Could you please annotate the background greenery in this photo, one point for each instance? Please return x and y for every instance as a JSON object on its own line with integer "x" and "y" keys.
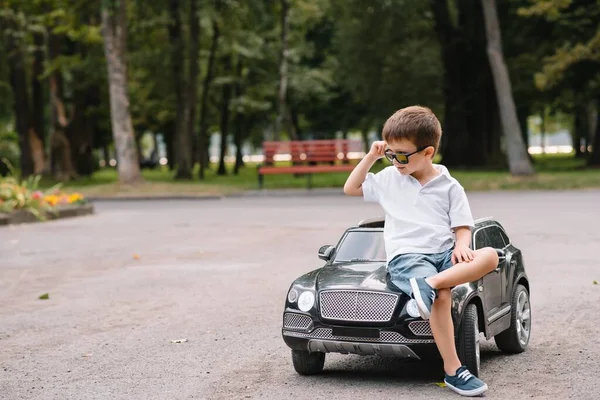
{"x": 350, "y": 64}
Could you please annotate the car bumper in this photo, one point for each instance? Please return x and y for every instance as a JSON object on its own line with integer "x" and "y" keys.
{"x": 342, "y": 347}
{"x": 390, "y": 344}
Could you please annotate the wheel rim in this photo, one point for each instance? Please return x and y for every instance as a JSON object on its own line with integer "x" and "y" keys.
{"x": 523, "y": 318}
{"x": 476, "y": 328}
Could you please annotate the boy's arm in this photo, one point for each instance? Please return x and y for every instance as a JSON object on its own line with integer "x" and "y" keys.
{"x": 462, "y": 251}
{"x": 463, "y": 235}
{"x": 353, "y": 185}
{"x": 461, "y": 221}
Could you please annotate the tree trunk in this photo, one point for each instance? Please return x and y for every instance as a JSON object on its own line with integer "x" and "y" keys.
{"x": 543, "y": 131}
{"x": 239, "y": 156}
{"x": 154, "y": 154}
{"x": 114, "y": 31}
{"x": 18, "y": 83}
{"x": 203, "y": 142}
{"x": 294, "y": 124}
{"x": 455, "y": 137}
{"x": 475, "y": 81}
{"x": 580, "y": 128}
{"x": 38, "y": 136}
{"x": 192, "y": 87}
{"x": 61, "y": 160}
{"x": 106, "y": 155}
{"x": 518, "y": 158}
{"x": 80, "y": 130}
{"x": 168, "y": 130}
{"x": 591, "y": 125}
{"x": 224, "y": 125}
{"x": 182, "y": 119}
{"x": 594, "y": 159}
{"x": 238, "y": 122}
{"x": 283, "y": 69}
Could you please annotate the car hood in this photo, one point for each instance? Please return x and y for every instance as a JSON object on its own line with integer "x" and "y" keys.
{"x": 361, "y": 275}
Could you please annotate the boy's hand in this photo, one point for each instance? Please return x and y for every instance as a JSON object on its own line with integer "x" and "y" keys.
{"x": 377, "y": 149}
{"x": 462, "y": 253}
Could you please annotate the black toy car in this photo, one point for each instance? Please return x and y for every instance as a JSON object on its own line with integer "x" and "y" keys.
{"x": 350, "y": 306}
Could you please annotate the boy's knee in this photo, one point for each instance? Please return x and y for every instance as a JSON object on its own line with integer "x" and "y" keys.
{"x": 492, "y": 256}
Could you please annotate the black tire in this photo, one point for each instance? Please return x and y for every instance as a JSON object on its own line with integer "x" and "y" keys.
{"x": 516, "y": 338}
{"x": 306, "y": 363}
{"x": 468, "y": 340}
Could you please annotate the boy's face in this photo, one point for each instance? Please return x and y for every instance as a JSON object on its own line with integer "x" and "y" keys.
{"x": 418, "y": 159}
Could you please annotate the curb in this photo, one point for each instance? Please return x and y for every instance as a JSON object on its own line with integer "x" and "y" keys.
{"x": 247, "y": 194}
{"x": 155, "y": 198}
{"x": 23, "y": 216}
{"x": 293, "y": 192}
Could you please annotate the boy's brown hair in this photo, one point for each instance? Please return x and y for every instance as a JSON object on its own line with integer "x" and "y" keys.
{"x": 415, "y": 123}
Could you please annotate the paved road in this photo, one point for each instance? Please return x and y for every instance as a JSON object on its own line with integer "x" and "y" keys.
{"x": 216, "y": 273}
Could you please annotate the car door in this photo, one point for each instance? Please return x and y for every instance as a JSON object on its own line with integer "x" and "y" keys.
{"x": 509, "y": 268}
{"x": 492, "y": 282}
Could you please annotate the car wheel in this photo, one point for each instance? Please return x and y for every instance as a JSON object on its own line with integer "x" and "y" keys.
{"x": 306, "y": 363}
{"x": 468, "y": 340}
{"x": 516, "y": 338}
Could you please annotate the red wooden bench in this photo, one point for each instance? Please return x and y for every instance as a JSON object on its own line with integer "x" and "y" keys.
{"x": 308, "y": 157}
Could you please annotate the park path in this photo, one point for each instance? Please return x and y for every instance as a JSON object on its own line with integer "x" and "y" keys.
{"x": 126, "y": 281}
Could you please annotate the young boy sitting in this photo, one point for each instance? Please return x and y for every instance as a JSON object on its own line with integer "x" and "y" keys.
{"x": 427, "y": 229}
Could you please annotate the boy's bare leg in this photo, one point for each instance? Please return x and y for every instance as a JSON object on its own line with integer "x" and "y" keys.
{"x": 485, "y": 260}
{"x": 443, "y": 330}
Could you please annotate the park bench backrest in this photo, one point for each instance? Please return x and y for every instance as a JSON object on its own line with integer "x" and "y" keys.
{"x": 316, "y": 151}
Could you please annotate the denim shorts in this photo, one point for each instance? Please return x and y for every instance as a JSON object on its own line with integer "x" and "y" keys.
{"x": 415, "y": 265}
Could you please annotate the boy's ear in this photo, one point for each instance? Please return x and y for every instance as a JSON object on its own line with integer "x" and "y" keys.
{"x": 430, "y": 151}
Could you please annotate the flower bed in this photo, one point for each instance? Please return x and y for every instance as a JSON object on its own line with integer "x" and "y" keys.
{"x": 22, "y": 201}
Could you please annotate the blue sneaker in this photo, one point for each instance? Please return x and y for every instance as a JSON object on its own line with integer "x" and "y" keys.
{"x": 465, "y": 383}
{"x": 424, "y": 296}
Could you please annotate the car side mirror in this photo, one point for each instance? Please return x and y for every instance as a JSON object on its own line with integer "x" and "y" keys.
{"x": 325, "y": 252}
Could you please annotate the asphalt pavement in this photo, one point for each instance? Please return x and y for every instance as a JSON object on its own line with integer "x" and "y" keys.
{"x": 126, "y": 282}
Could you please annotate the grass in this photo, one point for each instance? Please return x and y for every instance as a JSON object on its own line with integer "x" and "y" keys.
{"x": 554, "y": 172}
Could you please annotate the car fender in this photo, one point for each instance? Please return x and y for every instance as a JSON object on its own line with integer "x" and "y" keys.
{"x": 518, "y": 278}
{"x": 462, "y": 296}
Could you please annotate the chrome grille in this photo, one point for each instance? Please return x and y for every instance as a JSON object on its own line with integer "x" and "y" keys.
{"x": 358, "y": 306}
{"x": 420, "y": 328}
{"x": 386, "y": 337}
{"x": 296, "y": 321}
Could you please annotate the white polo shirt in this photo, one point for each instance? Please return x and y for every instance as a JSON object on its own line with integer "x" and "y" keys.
{"x": 418, "y": 218}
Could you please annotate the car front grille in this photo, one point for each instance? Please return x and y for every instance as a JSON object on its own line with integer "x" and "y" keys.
{"x": 296, "y": 321}
{"x": 385, "y": 337}
{"x": 420, "y": 328}
{"x": 357, "y": 306}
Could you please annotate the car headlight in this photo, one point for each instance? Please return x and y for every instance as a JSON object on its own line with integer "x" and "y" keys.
{"x": 306, "y": 301}
{"x": 293, "y": 295}
{"x": 411, "y": 308}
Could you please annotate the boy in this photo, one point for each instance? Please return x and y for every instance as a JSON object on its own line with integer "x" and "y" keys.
{"x": 427, "y": 229}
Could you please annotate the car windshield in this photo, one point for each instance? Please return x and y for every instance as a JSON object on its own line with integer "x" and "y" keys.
{"x": 361, "y": 246}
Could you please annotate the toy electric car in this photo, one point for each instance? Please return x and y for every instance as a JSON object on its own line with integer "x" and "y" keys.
{"x": 350, "y": 306}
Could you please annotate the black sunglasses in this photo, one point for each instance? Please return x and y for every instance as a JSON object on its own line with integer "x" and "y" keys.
{"x": 400, "y": 157}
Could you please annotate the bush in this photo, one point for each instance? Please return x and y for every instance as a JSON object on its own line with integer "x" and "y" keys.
{"x": 16, "y": 194}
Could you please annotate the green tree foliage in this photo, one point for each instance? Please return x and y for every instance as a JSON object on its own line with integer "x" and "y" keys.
{"x": 571, "y": 66}
{"x": 349, "y": 65}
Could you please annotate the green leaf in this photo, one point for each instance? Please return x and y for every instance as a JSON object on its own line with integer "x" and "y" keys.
{"x": 595, "y": 282}
{"x": 45, "y": 296}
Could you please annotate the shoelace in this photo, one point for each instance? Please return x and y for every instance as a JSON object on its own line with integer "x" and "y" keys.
{"x": 465, "y": 375}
